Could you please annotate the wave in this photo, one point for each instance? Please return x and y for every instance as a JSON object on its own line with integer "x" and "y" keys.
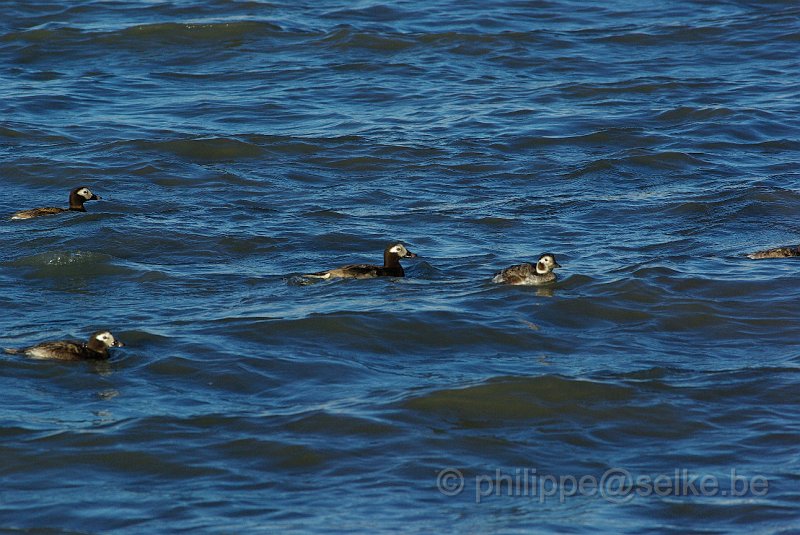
{"x": 145, "y": 34}
{"x": 205, "y": 149}
{"x": 70, "y": 264}
{"x": 499, "y": 400}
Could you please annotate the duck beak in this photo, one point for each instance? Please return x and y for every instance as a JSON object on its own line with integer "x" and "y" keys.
{"x": 117, "y": 343}
{"x": 409, "y": 254}
{"x": 556, "y": 265}
{"x": 94, "y": 197}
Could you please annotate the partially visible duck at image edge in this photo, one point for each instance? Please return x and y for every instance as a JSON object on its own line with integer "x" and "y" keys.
{"x": 777, "y": 252}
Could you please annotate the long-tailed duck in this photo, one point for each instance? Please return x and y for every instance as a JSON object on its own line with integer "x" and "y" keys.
{"x": 542, "y": 273}
{"x": 778, "y": 252}
{"x": 95, "y": 349}
{"x": 391, "y": 266}
{"x": 77, "y": 197}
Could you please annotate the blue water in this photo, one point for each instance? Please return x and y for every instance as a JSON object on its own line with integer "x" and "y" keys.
{"x": 239, "y": 144}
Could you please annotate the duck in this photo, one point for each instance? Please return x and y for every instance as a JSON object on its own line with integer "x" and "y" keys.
{"x": 527, "y": 274}
{"x": 391, "y": 266}
{"x": 777, "y": 252}
{"x": 94, "y": 349}
{"x": 77, "y": 197}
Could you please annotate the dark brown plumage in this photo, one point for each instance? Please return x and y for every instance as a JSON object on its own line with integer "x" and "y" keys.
{"x": 95, "y": 349}
{"x": 778, "y": 252}
{"x": 391, "y": 266}
{"x": 77, "y": 197}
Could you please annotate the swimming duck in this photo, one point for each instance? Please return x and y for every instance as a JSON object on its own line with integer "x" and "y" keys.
{"x": 391, "y": 266}
{"x": 95, "y": 349}
{"x": 527, "y": 274}
{"x": 778, "y": 252}
{"x": 77, "y": 197}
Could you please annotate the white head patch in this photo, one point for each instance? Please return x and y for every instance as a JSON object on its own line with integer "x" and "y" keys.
{"x": 399, "y": 250}
{"x": 106, "y": 337}
{"x": 545, "y": 264}
{"x": 85, "y": 193}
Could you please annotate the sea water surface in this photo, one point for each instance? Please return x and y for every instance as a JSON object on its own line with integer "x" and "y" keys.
{"x": 239, "y": 144}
